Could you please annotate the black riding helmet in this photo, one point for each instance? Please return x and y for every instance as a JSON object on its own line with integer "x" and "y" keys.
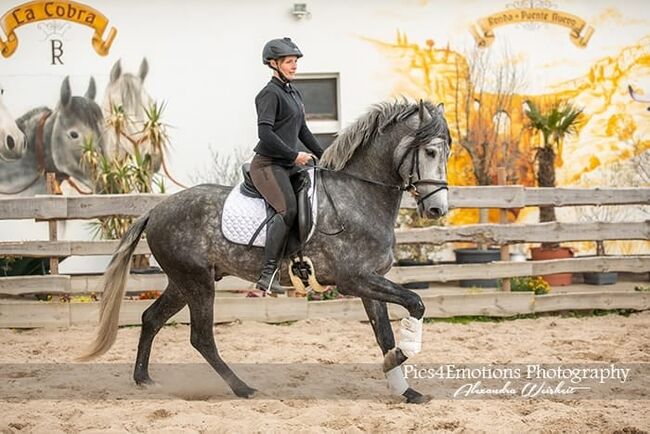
{"x": 276, "y": 48}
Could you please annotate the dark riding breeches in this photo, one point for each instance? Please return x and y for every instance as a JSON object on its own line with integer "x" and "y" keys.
{"x": 276, "y": 184}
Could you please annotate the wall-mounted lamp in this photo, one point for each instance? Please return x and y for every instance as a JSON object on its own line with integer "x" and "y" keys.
{"x": 300, "y": 11}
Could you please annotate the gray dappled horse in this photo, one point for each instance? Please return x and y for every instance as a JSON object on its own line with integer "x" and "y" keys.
{"x": 395, "y": 147}
{"x": 12, "y": 140}
{"x": 54, "y": 143}
{"x": 125, "y": 91}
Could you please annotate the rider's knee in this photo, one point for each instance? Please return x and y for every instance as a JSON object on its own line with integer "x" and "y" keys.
{"x": 290, "y": 215}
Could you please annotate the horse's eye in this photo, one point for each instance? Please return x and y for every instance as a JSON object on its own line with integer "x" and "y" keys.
{"x": 431, "y": 153}
{"x": 74, "y": 134}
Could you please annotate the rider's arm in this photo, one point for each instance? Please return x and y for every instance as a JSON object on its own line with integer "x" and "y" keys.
{"x": 267, "y": 104}
{"x": 308, "y": 139}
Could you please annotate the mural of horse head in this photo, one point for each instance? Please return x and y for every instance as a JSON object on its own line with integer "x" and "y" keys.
{"x": 76, "y": 120}
{"x": 126, "y": 97}
{"x": 54, "y": 143}
{"x": 12, "y": 140}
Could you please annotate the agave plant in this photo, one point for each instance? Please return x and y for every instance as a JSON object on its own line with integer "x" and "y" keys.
{"x": 560, "y": 121}
{"x": 130, "y": 173}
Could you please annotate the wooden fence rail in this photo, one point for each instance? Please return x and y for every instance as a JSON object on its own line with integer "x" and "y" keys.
{"x": 275, "y": 310}
{"x": 528, "y": 233}
{"x": 486, "y": 233}
{"x": 22, "y": 285}
{"x": 87, "y": 207}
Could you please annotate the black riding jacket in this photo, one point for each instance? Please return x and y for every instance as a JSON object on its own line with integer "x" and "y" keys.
{"x": 281, "y": 122}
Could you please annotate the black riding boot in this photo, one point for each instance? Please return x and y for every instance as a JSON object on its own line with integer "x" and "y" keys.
{"x": 276, "y": 237}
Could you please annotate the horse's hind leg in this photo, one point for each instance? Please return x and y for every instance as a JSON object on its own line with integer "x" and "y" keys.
{"x": 156, "y": 315}
{"x": 393, "y": 357}
{"x": 200, "y": 297}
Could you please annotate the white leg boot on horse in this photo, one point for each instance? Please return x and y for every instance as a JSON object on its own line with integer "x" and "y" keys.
{"x": 276, "y": 238}
{"x": 410, "y": 336}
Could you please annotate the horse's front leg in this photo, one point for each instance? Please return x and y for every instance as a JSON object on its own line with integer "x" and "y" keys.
{"x": 393, "y": 357}
{"x": 375, "y": 287}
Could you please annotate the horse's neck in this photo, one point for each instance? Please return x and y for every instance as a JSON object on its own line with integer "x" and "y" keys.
{"x": 378, "y": 202}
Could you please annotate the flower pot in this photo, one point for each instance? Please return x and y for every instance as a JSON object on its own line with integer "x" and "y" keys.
{"x": 518, "y": 257}
{"x": 544, "y": 253}
{"x": 414, "y": 263}
{"x": 477, "y": 256}
{"x": 600, "y": 278}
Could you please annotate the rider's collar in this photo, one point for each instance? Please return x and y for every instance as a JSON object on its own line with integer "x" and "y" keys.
{"x": 286, "y": 86}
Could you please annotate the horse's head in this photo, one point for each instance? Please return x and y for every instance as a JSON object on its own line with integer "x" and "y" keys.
{"x": 126, "y": 93}
{"x": 76, "y": 120}
{"x": 12, "y": 140}
{"x": 421, "y": 157}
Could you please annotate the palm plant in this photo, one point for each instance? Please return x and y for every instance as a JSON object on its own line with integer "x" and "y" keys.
{"x": 560, "y": 121}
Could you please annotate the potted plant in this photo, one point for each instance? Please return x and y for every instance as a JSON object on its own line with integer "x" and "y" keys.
{"x": 559, "y": 121}
{"x": 133, "y": 172}
{"x": 414, "y": 254}
{"x": 600, "y": 277}
{"x": 614, "y": 176}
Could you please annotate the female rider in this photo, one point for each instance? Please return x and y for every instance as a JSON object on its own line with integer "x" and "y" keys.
{"x": 280, "y": 123}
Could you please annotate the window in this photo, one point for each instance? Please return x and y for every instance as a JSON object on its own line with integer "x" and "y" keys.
{"x": 320, "y": 93}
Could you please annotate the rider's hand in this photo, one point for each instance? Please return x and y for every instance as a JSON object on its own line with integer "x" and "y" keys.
{"x": 303, "y": 158}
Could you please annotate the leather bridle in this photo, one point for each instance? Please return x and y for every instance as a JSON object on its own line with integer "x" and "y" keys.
{"x": 411, "y": 184}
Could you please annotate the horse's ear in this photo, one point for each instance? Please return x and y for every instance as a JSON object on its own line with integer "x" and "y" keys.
{"x": 441, "y": 108}
{"x": 66, "y": 94}
{"x": 92, "y": 89}
{"x": 116, "y": 71}
{"x": 144, "y": 69}
{"x": 423, "y": 112}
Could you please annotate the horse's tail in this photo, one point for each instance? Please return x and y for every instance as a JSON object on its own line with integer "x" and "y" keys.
{"x": 114, "y": 284}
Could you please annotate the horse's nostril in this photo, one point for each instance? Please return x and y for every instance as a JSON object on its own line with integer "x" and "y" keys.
{"x": 11, "y": 144}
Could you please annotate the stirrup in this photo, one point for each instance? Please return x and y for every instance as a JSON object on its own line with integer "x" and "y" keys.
{"x": 306, "y": 276}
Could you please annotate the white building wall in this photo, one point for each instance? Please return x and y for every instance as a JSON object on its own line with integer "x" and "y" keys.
{"x": 205, "y": 60}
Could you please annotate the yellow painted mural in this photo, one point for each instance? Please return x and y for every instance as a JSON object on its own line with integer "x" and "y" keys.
{"x": 613, "y": 128}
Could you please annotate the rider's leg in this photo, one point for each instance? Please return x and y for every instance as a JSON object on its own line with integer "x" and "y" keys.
{"x": 273, "y": 182}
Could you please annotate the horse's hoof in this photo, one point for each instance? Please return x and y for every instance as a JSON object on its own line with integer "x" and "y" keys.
{"x": 144, "y": 381}
{"x": 245, "y": 392}
{"x": 414, "y": 397}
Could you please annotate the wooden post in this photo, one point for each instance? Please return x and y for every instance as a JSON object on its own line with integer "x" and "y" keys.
{"x": 51, "y": 189}
{"x": 503, "y": 219}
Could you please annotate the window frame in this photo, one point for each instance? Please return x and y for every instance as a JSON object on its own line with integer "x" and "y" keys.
{"x": 324, "y": 126}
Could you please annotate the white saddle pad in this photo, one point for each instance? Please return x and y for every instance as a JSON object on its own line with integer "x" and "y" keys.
{"x": 242, "y": 215}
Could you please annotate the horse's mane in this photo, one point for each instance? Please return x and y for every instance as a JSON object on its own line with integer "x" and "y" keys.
{"x": 21, "y": 121}
{"x": 380, "y": 117}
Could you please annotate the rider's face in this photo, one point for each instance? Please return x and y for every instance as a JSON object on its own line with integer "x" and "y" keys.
{"x": 288, "y": 66}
